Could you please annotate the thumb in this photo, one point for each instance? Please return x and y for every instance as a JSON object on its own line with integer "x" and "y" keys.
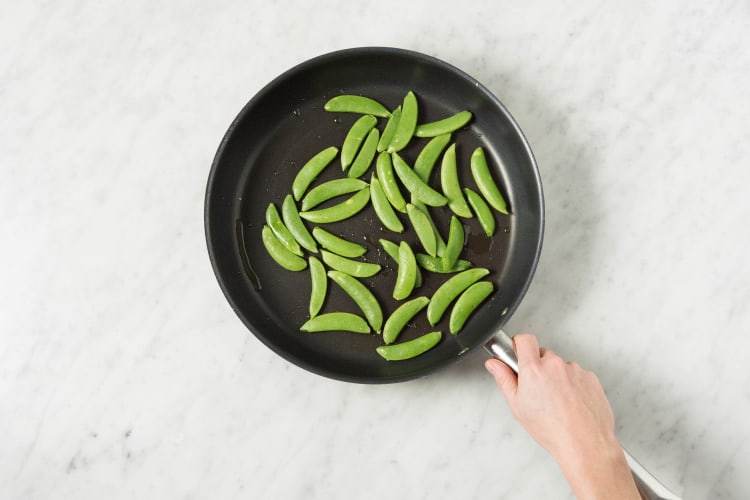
{"x": 504, "y": 377}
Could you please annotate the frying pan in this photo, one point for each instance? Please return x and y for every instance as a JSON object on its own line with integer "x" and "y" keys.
{"x": 283, "y": 126}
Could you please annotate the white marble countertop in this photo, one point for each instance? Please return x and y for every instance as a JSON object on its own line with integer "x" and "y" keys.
{"x": 125, "y": 374}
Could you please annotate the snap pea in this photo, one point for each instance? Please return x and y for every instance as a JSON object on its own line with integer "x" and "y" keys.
{"x": 486, "y": 184}
{"x": 423, "y": 228}
{"x": 416, "y": 186}
{"x": 450, "y": 184}
{"x": 291, "y": 218}
{"x": 429, "y": 155}
{"x": 388, "y": 131}
{"x": 366, "y": 154}
{"x": 318, "y": 287}
{"x": 482, "y": 211}
{"x": 337, "y": 244}
{"x": 383, "y": 208}
{"x": 354, "y": 138}
{"x": 340, "y": 211}
{"x": 451, "y": 289}
{"x": 398, "y": 319}
{"x": 407, "y": 272}
{"x": 467, "y": 303}
{"x": 392, "y": 250}
{"x": 273, "y": 220}
{"x": 329, "y": 190}
{"x": 361, "y": 296}
{"x": 348, "y": 103}
{"x": 310, "y": 171}
{"x": 384, "y": 168}
{"x": 411, "y": 348}
{"x": 356, "y": 268}
{"x": 406, "y": 124}
{"x": 437, "y": 265}
{"x": 444, "y": 126}
{"x": 455, "y": 243}
{"x": 279, "y": 252}
{"x": 440, "y": 247}
{"x": 336, "y": 321}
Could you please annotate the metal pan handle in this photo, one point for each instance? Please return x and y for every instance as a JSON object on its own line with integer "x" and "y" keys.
{"x": 501, "y": 347}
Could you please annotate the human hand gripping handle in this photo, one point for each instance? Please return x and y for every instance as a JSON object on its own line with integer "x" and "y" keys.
{"x": 564, "y": 409}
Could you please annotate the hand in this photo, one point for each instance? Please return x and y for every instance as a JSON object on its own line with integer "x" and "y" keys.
{"x": 563, "y": 407}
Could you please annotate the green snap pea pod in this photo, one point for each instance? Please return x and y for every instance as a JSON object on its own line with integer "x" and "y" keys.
{"x": 329, "y": 190}
{"x": 336, "y": 321}
{"x": 437, "y": 265}
{"x": 318, "y": 287}
{"x": 291, "y": 218}
{"x": 444, "y": 126}
{"x": 337, "y": 244}
{"x": 341, "y": 211}
{"x": 389, "y": 130}
{"x": 392, "y": 250}
{"x": 348, "y": 103}
{"x": 486, "y": 184}
{"x": 354, "y": 139}
{"x": 440, "y": 247}
{"x": 279, "y": 253}
{"x": 384, "y": 168}
{"x": 356, "y": 268}
{"x": 361, "y": 296}
{"x": 467, "y": 303}
{"x": 406, "y": 124}
{"x": 416, "y": 186}
{"x": 310, "y": 171}
{"x": 450, "y": 184}
{"x": 429, "y": 155}
{"x": 398, "y": 319}
{"x": 455, "y": 242}
{"x": 273, "y": 219}
{"x": 411, "y": 348}
{"x": 452, "y": 288}
{"x": 482, "y": 210}
{"x": 406, "y": 277}
{"x": 423, "y": 228}
{"x": 366, "y": 155}
{"x": 383, "y": 208}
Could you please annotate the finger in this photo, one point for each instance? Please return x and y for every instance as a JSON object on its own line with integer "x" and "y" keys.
{"x": 504, "y": 378}
{"x": 527, "y": 349}
{"x": 543, "y": 351}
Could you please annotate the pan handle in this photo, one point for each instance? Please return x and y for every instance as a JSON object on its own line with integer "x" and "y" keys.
{"x": 501, "y": 347}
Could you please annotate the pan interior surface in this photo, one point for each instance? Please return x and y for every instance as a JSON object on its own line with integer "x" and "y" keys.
{"x": 282, "y": 127}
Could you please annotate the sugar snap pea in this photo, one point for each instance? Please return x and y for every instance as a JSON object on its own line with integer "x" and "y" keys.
{"x": 392, "y": 250}
{"x": 416, "y": 186}
{"x": 389, "y": 130}
{"x": 354, "y": 139}
{"x": 366, "y": 154}
{"x": 429, "y": 155}
{"x": 348, "y": 103}
{"x": 337, "y": 244}
{"x": 291, "y": 218}
{"x": 279, "y": 252}
{"x": 452, "y": 288}
{"x": 406, "y": 124}
{"x": 383, "y": 208}
{"x": 486, "y": 184}
{"x": 440, "y": 247}
{"x": 361, "y": 296}
{"x": 410, "y": 349}
{"x": 455, "y": 243}
{"x": 438, "y": 265}
{"x": 318, "y": 287}
{"x": 356, "y": 268}
{"x": 384, "y": 168}
{"x": 467, "y": 303}
{"x": 450, "y": 184}
{"x": 444, "y": 126}
{"x": 273, "y": 219}
{"x": 398, "y": 319}
{"x": 423, "y": 228}
{"x": 336, "y": 321}
{"x": 341, "y": 211}
{"x": 329, "y": 190}
{"x": 407, "y": 272}
{"x": 310, "y": 171}
{"x": 482, "y": 211}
